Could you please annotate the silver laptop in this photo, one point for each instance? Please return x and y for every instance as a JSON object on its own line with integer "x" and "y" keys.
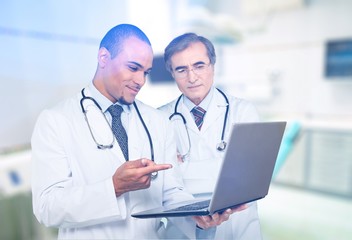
{"x": 244, "y": 176}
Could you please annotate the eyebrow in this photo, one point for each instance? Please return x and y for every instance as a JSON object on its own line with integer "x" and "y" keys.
{"x": 139, "y": 66}
{"x": 194, "y": 64}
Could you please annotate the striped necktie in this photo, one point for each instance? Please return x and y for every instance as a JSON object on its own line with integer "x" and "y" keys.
{"x": 118, "y": 129}
{"x": 198, "y": 114}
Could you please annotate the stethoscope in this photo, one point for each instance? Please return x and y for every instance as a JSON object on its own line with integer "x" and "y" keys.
{"x": 221, "y": 146}
{"x": 110, "y": 145}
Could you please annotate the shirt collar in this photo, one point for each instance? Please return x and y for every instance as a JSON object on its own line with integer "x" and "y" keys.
{"x": 204, "y": 104}
{"x": 104, "y": 102}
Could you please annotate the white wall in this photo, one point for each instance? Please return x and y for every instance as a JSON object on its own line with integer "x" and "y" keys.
{"x": 277, "y": 59}
{"x": 48, "y": 51}
{"x": 291, "y": 46}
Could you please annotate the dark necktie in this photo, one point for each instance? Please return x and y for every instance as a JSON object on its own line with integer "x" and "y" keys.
{"x": 198, "y": 114}
{"x": 118, "y": 129}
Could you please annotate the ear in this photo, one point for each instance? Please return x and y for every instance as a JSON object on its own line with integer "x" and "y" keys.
{"x": 172, "y": 74}
{"x": 103, "y": 57}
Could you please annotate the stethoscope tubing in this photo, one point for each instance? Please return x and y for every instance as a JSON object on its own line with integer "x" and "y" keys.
{"x": 222, "y": 144}
{"x": 84, "y": 97}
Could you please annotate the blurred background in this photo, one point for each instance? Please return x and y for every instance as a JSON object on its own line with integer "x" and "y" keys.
{"x": 292, "y": 59}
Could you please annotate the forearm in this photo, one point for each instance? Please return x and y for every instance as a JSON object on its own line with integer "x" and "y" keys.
{"x": 63, "y": 195}
{"x": 62, "y": 205}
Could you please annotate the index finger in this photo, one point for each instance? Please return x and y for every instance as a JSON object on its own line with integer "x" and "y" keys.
{"x": 155, "y": 168}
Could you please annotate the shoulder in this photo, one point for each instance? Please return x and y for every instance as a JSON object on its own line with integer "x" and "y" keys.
{"x": 241, "y": 109}
{"x": 148, "y": 110}
{"x": 168, "y": 107}
{"x": 233, "y": 101}
{"x": 244, "y": 110}
{"x": 57, "y": 120}
{"x": 62, "y": 110}
{"x": 240, "y": 102}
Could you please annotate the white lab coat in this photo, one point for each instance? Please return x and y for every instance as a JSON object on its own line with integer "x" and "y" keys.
{"x": 72, "y": 179}
{"x": 200, "y": 168}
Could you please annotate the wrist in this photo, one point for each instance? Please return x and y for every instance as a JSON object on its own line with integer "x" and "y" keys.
{"x": 118, "y": 193}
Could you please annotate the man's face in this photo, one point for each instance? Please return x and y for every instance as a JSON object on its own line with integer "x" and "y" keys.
{"x": 193, "y": 72}
{"x": 124, "y": 75}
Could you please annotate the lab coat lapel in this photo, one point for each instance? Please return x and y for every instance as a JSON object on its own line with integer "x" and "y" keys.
{"x": 215, "y": 111}
{"x": 138, "y": 143}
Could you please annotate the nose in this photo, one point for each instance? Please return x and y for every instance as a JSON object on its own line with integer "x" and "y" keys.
{"x": 140, "y": 78}
{"x": 192, "y": 76}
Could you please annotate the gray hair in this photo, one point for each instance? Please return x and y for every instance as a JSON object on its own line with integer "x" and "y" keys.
{"x": 182, "y": 42}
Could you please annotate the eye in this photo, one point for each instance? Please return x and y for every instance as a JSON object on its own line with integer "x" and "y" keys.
{"x": 200, "y": 66}
{"x": 133, "y": 68}
{"x": 180, "y": 70}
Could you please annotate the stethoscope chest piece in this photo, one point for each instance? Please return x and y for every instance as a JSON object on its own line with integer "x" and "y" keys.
{"x": 221, "y": 146}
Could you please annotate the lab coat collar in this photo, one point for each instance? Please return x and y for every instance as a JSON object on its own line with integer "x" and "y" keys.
{"x": 215, "y": 110}
{"x": 204, "y": 104}
{"x": 216, "y": 104}
{"x": 188, "y": 106}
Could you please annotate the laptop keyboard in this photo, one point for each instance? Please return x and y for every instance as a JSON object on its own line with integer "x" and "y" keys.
{"x": 191, "y": 207}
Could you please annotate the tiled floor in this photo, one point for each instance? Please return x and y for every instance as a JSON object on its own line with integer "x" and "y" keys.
{"x": 291, "y": 214}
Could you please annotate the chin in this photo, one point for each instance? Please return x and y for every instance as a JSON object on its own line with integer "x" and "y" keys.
{"x": 125, "y": 102}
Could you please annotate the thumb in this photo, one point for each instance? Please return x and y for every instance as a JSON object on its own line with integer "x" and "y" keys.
{"x": 146, "y": 162}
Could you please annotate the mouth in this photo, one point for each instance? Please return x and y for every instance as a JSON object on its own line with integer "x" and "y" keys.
{"x": 134, "y": 89}
{"x": 193, "y": 87}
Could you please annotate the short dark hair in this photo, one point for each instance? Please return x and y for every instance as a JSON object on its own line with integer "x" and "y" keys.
{"x": 182, "y": 42}
{"x": 115, "y": 37}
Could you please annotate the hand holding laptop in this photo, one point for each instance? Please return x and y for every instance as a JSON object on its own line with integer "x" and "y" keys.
{"x": 244, "y": 176}
{"x": 135, "y": 175}
{"x": 216, "y": 219}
